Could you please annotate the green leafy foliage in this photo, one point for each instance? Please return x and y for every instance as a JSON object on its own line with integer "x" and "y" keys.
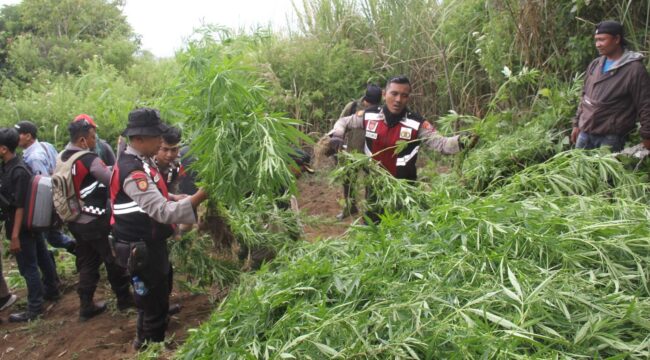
{"x": 501, "y": 276}
{"x": 242, "y": 148}
{"x": 59, "y": 36}
{"x": 100, "y": 90}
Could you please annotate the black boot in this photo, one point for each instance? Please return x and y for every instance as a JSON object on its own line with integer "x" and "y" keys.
{"x": 125, "y": 302}
{"x": 89, "y": 308}
{"x": 24, "y": 316}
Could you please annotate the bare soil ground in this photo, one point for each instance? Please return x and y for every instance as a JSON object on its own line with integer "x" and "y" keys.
{"x": 60, "y": 335}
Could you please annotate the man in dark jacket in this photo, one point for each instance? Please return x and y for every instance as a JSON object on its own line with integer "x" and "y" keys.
{"x": 91, "y": 178}
{"x": 616, "y": 93}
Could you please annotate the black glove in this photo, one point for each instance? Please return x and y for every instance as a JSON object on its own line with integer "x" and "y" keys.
{"x": 468, "y": 141}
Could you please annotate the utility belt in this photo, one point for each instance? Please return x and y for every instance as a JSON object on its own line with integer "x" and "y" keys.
{"x": 131, "y": 255}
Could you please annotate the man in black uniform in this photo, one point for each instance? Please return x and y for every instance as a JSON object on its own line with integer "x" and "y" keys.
{"x": 143, "y": 212}
{"x": 91, "y": 178}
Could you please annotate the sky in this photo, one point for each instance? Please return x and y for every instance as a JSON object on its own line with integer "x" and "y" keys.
{"x": 164, "y": 24}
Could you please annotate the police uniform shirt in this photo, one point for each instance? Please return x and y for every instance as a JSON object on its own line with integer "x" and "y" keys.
{"x": 141, "y": 188}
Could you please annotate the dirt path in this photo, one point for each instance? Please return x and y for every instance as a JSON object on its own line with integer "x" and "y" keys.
{"x": 320, "y": 202}
{"x": 59, "y": 334}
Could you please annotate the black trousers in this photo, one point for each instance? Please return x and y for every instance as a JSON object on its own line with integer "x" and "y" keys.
{"x": 153, "y": 308}
{"x": 92, "y": 250}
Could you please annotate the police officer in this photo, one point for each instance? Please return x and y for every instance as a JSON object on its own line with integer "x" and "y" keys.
{"x": 386, "y": 125}
{"x": 143, "y": 212}
{"x": 91, "y": 229}
{"x": 168, "y": 160}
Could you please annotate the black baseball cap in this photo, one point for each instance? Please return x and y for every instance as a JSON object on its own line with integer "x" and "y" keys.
{"x": 611, "y": 27}
{"x": 144, "y": 122}
{"x": 373, "y": 94}
{"x": 26, "y": 127}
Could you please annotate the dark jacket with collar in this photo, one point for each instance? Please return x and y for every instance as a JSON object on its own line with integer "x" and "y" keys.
{"x": 612, "y": 102}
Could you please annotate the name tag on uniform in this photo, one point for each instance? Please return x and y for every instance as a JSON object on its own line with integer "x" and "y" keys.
{"x": 372, "y": 126}
{"x": 405, "y": 133}
{"x": 371, "y": 135}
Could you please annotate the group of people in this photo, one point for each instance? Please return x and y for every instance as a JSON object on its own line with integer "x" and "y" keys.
{"x": 133, "y": 202}
{"x": 615, "y": 96}
{"x": 130, "y": 204}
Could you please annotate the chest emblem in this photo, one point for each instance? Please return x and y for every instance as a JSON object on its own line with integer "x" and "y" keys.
{"x": 372, "y": 126}
{"x": 405, "y": 133}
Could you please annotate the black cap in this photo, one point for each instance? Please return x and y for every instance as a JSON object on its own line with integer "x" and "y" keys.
{"x": 26, "y": 127}
{"x": 373, "y": 94}
{"x": 144, "y": 122}
{"x": 609, "y": 27}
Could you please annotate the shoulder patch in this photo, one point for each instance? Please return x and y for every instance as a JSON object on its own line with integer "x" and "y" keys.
{"x": 411, "y": 123}
{"x": 141, "y": 180}
{"x": 143, "y": 185}
{"x": 136, "y": 175}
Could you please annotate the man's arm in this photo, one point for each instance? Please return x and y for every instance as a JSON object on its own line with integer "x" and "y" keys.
{"x": 345, "y": 123}
{"x": 640, "y": 90}
{"x": 20, "y": 179}
{"x": 433, "y": 140}
{"x": 14, "y": 245}
{"x": 109, "y": 155}
{"x": 141, "y": 188}
{"x": 100, "y": 171}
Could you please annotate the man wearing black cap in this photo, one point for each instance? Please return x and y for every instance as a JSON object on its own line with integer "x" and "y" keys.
{"x": 143, "y": 212}
{"x": 40, "y": 156}
{"x": 616, "y": 93}
{"x": 354, "y": 142}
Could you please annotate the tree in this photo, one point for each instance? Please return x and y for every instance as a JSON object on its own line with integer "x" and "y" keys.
{"x": 59, "y": 35}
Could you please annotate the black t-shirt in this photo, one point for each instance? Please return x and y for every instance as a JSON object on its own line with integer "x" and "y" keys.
{"x": 15, "y": 181}
{"x": 187, "y": 183}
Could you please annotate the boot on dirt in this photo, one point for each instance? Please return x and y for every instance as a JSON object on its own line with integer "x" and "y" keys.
{"x": 125, "y": 302}
{"x": 89, "y": 308}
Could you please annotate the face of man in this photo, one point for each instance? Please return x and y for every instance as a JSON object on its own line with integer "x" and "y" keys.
{"x": 24, "y": 140}
{"x": 89, "y": 141}
{"x": 167, "y": 153}
{"x": 607, "y": 44}
{"x": 397, "y": 97}
{"x": 147, "y": 145}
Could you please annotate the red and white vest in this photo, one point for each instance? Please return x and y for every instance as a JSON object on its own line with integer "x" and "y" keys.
{"x": 380, "y": 137}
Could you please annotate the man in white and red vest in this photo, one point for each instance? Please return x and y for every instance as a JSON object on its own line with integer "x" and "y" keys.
{"x": 143, "y": 216}
{"x": 387, "y": 125}
{"x": 91, "y": 229}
